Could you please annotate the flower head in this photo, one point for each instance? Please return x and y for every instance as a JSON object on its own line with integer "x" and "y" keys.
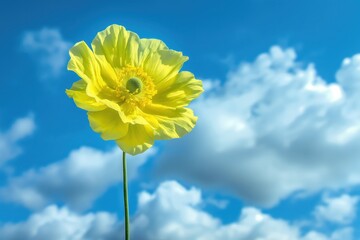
{"x": 133, "y": 89}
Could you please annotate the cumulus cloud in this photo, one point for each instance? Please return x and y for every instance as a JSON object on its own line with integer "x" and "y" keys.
{"x": 170, "y": 212}
{"x": 273, "y": 128}
{"x": 211, "y": 84}
{"x": 174, "y": 212}
{"x": 9, "y": 139}
{"x": 219, "y": 203}
{"x": 341, "y": 210}
{"x": 77, "y": 181}
{"x": 61, "y": 224}
{"x": 49, "y": 49}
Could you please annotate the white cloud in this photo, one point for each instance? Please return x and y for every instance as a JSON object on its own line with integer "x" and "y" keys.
{"x": 341, "y": 234}
{"x": 61, "y": 224}
{"x": 171, "y": 212}
{"x": 273, "y": 128}
{"x": 341, "y": 210}
{"x": 211, "y": 84}
{"x": 9, "y": 140}
{"x": 49, "y": 49}
{"x": 77, "y": 181}
{"x": 219, "y": 203}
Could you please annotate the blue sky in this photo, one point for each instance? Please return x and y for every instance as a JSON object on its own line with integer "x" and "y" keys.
{"x": 275, "y": 152}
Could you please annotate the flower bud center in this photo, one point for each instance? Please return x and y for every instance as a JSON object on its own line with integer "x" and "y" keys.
{"x": 134, "y": 85}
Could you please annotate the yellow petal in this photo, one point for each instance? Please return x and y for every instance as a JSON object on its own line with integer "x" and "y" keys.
{"x": 134, "y": 118}
{"x": 83, "y": 62}
{"x": 107, "y": 72}
{"x": 150, "y": 119}
{"x": 81, "y": 99}
{"x": 148, "y": 47}
{"x": 151, "y": 45}
{"x": 108, "y": 124}
{"x": 179, "y": 91}
{"x": 138, "y": 139}
{"x": 172, "y": 122}
{"x": 118, "y": 46}
{"x": 133, "y": 121}
{"x": 163, "y": 65}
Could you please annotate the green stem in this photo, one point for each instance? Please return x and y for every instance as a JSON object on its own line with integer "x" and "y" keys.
{"x": 126, "y": 202}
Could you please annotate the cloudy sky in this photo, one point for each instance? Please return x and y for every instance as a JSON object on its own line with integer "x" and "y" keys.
{"x": 275, "y": 154}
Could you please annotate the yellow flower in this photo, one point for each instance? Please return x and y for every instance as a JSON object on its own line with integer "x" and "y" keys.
{"x": 132, "y": 89}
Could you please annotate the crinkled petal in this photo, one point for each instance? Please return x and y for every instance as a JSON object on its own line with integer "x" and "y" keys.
{"x": 134, "y": 118}
{"x": 134, "y": 127}
{"x": 108, "y": 124}
{"x": 81, "y": 99}
{"x": 118, "y": 46}
{"x": 107, "y": 72}
{"x": 150, "y": 119}
{"x": 138, "y": 139}
{"x": 162, "y": 65}
{"x": 179, "y": 91}
{"x": 152, "y": 44}
{"x": 149, "y": 46}
{"x": 172, "y": 122}
{"x": 109, "y": 98}
{"x": 84, "y": 64}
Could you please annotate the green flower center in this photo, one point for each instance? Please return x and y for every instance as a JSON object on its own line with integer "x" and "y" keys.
{"x": 134, "y": 85}
{"x": 134, "y": 89}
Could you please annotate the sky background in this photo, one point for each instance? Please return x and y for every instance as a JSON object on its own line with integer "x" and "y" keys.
{"x": 275, "y": 153}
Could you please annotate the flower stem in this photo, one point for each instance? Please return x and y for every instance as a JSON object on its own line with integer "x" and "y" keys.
{"x": 126, "y": 202}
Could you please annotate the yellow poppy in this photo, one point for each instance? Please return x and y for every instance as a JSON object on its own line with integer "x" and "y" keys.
{"x": 133, "y": 89}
